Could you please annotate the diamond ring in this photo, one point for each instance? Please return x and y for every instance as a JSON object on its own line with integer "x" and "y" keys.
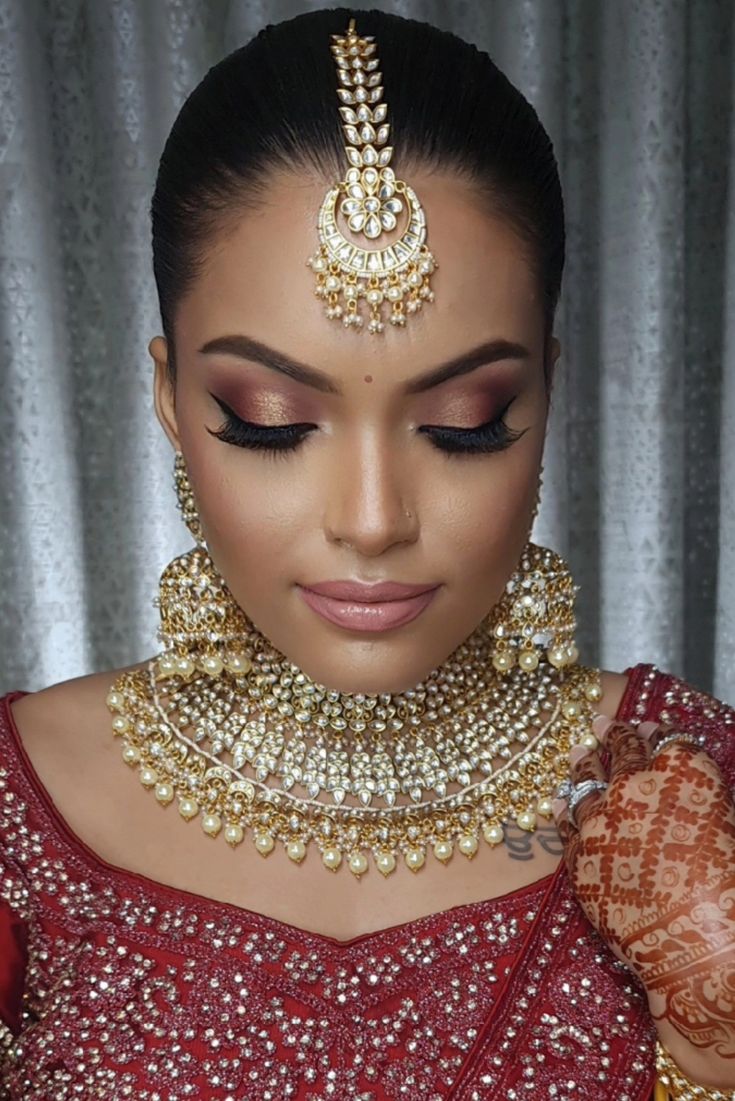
{"x": 578, "y": 792}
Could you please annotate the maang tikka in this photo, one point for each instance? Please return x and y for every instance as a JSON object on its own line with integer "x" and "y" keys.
{"x": 223, "y": 723}
{"x": 373, "y": 202}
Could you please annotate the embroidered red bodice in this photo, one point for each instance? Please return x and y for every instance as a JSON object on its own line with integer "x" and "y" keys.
{"x": 114, "y": 986}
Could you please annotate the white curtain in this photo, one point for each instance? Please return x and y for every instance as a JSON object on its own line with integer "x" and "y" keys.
{"x": 639, "y": 490}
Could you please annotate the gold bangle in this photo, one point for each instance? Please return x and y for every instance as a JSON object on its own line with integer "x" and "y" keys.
{"x": 673, "y": 1085}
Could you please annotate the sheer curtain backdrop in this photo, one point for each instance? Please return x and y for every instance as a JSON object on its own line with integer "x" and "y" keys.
{"x": 639, "y": 490}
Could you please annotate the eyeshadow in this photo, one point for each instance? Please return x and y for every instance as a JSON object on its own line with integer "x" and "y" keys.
{"x": 263, "y": 405}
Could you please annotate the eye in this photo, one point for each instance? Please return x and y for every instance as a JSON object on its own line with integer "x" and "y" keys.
{"x": 259, "y": 437}
{"x": 494, "y": 435}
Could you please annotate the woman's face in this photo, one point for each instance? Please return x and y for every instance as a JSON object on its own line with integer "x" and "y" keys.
{"x": 367, "y": 493}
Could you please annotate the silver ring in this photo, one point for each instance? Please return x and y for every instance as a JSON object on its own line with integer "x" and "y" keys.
{"x": 697, "y": 740}
{"x": 579, "y": 792}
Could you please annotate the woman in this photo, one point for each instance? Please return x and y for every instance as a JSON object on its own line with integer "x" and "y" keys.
{"x": 368, "y": 669}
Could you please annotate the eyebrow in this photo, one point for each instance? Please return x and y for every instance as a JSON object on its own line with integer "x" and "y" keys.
{"x": 244, "y": 347}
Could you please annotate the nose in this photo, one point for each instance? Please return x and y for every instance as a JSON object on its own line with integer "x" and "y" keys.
{"x": 365, "y": 501}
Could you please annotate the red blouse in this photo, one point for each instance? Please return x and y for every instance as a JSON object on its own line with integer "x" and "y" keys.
{"x": 115, "y": 986}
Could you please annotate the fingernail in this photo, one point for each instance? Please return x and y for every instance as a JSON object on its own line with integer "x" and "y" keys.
{"x": 601, "y": 724}
{"x": 646, "y": 729}
{"x": 577, "y": 752}
{"x": 558, "y": 806}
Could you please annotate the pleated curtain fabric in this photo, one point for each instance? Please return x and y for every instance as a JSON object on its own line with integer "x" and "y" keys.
{"x": 639, "y": 489}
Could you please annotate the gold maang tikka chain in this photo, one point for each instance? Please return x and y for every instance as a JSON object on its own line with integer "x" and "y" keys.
{"x": 245, "y": 741}
{"x": 373, "y": 202}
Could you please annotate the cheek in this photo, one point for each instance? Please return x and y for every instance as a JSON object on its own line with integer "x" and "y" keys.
{"x": 250, "y": 507}
{"x": 482, "y": 522}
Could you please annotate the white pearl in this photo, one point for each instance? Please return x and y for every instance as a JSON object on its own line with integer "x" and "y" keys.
{"x": 503, "y": 660}
{"x": 493, "y": 834}
{"x": 394, "y": 294}
{"x": 131, "y": 755}
{"x": 164, "y": 793}
{"x": 526, "y": 820}
{"x": 357, "y": 863}
{"x": 115, "y": 700}
{"x": 120, "y": 724}
{"x": 264, "y": 843}
{"x": 184, "y": 667}
{"x": 211, "y": 824}
{"x": 318, "y": 263}
{"x": 238, "y": 663}
{"x": 589, "y": 741}
{"x": 148, "y": 776}
{"x": 212, "y": 665}
{"x": 332, "y": 283}
{"x": 233, "y": 834}
{"x": 296, "y": 850}
{"x": 166, "y": 666}
{"x": 332, "y": 858}
{"x": 572, "y": 708}
{"x": 385, "y": 862}
{"x": 414, "y": 858}
{"x": 593, "y": 692}
{"x": 557, "y": 656}
{"x": 544, "y": 807}
{"x": 467, "y": 844}
{"x": 188, "y": 807}
{"x": 374, "y": 296}
{"x": 415, "y": 279}
{"x": 443, "y": 850}
{"x": 573, "y": 653}
{"x": 528, "y": 661}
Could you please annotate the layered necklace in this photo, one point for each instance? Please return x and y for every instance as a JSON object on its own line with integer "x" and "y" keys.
{"x": 242, "y": 739}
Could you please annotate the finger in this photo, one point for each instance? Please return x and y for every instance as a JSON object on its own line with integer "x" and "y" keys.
{"x": 629, "y": 751}
{"x": 586, "y": 765}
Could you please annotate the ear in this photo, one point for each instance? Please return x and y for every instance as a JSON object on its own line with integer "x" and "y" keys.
{"x": 163, "y": 390}
{"x": 552, "y": 355}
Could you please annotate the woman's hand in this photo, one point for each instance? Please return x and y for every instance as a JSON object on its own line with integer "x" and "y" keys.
{"x": 651, "y": 859}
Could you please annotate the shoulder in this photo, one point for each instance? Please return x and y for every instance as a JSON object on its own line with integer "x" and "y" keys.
{"x": 614, "y": 686}
{"x": 59, "y": 726}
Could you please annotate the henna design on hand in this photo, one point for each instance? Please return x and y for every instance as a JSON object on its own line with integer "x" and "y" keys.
{"x": 653, "y": 866}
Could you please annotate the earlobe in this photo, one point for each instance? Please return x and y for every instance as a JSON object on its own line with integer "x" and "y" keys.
{"x": 163, "y": 391}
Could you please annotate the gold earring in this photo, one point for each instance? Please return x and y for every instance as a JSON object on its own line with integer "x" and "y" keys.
{"x": 186, "y": 502}
{"x": 534, "y": 617}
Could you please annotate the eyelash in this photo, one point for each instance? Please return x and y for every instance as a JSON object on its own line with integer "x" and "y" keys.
{"x": 278, "y": 441}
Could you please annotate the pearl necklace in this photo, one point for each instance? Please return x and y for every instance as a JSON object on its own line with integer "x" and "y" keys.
{"x": 260, "y": 747}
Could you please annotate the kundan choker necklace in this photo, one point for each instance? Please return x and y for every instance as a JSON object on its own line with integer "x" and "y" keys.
{"x": 245, "y": 741}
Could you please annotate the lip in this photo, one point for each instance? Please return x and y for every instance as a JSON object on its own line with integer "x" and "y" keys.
{"x": 360, "y": 592}
{"x": 373, "y": 614}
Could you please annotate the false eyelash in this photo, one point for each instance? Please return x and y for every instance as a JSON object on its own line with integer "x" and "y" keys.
{"x": 274, "y": 439}
{"x": 494, "y": 435}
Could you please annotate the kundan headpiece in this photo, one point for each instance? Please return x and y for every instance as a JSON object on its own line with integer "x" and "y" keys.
{"x": 374, "y": 202}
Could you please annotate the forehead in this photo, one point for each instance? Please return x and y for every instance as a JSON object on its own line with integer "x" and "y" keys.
{"x": 256, "y": 281}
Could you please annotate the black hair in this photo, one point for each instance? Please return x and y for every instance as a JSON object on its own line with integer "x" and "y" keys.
{"x": 272, "y": 104}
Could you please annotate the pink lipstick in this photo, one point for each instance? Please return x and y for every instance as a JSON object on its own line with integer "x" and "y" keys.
{"x": 360, "y": 607}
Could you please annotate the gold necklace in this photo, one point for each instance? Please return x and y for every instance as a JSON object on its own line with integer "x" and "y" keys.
{"x": 247, "y": 742}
